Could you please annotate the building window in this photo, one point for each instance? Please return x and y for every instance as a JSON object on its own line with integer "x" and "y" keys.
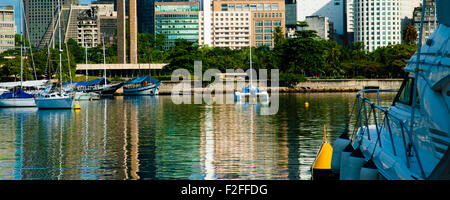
{"x": 276, "y": 23}
{"x": 260, "y": 7}
{"x": 253, "y": 6}
{"x": 267, "y": 23}
{"x": 238, "y": 7}
{"x": 258, "y": 37}
{"x": 258, "y": 23}
{"x": 267, "y": 6}
{"x": 267, "y": 43}
{"x": 274, "y": 6}
{"x": 224, "y": 7}
{"x": 231, "y": 7}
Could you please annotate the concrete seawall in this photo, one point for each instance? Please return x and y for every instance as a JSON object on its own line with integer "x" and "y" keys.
{"x": 325, "y": 85}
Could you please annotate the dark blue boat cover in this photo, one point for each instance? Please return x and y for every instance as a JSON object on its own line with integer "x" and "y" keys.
{"x": 17, "y": 94}
{"x": 93, "y": 82}
{"x": 68, "y": 82}
{"x": 141, "y": 79}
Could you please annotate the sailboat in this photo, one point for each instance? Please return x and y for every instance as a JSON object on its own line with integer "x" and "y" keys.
{"x": 250, "y": 91}
{"x": 100, "y": 86}
{"x": 55, "y": 100}
{"x": 18, "y": 98}
{"x": 85, "y": 95}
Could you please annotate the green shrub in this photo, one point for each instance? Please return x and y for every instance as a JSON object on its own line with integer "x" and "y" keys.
{"x": 291, "y": 80}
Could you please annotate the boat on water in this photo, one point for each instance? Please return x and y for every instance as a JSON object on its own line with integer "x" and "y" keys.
{"x": 410, "y": 139}
{"x": 59, "y": 99}
{"x": 54, "y": 100}
{"x": 251, "y": 92}
{"x": 99, "y": 86}
{"x": 145, "y": 85}
{"x": 17, "y": 98}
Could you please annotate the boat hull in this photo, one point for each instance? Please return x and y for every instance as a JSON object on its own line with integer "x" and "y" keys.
{"x": 108, "y": 90}
{"x": 18, "y": 102}
{"x": 145, "y": 90}
{"x": 54, "y": 103}
{"x": 83, "y": 96}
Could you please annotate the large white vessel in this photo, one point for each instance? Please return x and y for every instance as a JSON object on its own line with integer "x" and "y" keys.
{"x": 387, "y": 145}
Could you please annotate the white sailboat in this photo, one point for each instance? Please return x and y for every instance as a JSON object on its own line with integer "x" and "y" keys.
{"x": 251, "y": 91}
{"x": 18, "y": 98}
{"x": 56, "y": 100}
{"x": 84, "y": 95}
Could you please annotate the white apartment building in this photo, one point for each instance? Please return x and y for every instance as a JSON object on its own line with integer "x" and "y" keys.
{"x": 228, "y": 29}
{"x": 333, "y": 9}
{"x": 377, "y": 23}
{"x": 7, "y": 28}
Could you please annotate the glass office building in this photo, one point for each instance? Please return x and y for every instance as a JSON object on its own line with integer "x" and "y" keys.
{"x": 177, "y": 20}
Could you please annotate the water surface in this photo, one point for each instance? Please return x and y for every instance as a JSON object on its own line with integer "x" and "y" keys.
{"x": 153, "y": 138}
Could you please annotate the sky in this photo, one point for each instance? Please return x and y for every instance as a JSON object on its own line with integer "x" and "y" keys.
{"x": 16, "y": 3}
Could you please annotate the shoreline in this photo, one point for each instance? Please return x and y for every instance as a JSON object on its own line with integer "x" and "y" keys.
{"x": 310, "y": 86}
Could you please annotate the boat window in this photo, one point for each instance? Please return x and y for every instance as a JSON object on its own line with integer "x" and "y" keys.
{"x": 406, "y": 91}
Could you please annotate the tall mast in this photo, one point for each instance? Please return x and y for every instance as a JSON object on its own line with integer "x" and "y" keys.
{"x": 250, "y": 45}
{"x": 85, "y": 52}
{"x": 60, "y": 50}
{"x": 21, "y": 45}
{"x": 104, "y": 59}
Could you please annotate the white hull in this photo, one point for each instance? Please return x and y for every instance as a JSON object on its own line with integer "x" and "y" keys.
{"x": 17, "y": 102}
{"x": 146, "y": 90}
{"x": 83, "y": 96}
{"x": 54, "y": 103}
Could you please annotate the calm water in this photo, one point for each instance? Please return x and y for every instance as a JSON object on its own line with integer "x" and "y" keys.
{"x": 153, "y": 138}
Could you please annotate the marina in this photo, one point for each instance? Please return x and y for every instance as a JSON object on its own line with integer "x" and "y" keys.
{"x": 160, "y": 107}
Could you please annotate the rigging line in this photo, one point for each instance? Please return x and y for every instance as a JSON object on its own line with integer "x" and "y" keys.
{"x": 29, "y": 42}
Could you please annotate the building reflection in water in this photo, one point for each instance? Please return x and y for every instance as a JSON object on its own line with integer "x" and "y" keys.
{"x": 238, "y": 143}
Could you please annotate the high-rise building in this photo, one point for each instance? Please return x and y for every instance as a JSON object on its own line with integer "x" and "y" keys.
{"x": 429, "y": 20}
{"x": 42, "y": 20}
{"x": 7, "y": 28}
{"x": 88, "y": 24}
{"x": 177, "y": 20}
{"x": 236, "y": 23}
{"x": 377, "y": 23}
{"x": 145, "y": 15}
{"x": 228, "y": 29}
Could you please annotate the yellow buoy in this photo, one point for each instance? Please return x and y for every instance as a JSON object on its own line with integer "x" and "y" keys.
{"x": 76, "y": 107}
{"x": 321, "y": 167}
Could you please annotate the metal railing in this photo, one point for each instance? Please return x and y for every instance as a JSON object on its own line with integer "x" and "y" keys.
{"x": 382, "y": 118}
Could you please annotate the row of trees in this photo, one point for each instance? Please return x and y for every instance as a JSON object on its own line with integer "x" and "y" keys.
{"x": 304, "y": 55}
